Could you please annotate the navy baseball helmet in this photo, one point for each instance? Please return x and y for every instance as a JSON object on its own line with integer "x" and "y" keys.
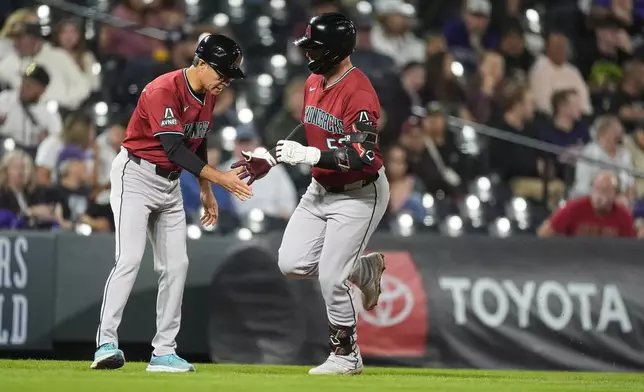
{"x": 334, "y": 34}
{"x": 222, "y": 54}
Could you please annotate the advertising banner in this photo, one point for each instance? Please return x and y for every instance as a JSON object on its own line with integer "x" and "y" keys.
{"x": 27, "y": 266}
{"x": 512, "y": 304}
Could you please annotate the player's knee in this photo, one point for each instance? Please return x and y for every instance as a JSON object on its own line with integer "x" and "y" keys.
{"x": 177, "y": 267}
{"x": 286, "y": 266}
{"x": 330, "y": 283}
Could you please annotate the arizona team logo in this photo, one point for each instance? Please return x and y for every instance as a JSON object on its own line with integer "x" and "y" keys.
{"x": 307, "y": 33}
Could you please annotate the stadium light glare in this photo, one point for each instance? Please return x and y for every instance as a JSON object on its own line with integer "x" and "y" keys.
{"x": 278, "y": 4}
{"x": 229, "y": 133}
{"x": 519, "y": 204}
{"x": 364, "y": 7}
{"x": 278, "y": 61}
{"x": 219, "y": 20}
{"x": 236, "y": 3}
{"x": 244, "y": 234}
{"x": 265, "y": 80}
{"x": 9, "y": 145}
{"x": 193, "y": 232}
{"x": 264, "y": 22}
{"x": 457, "y": 69}
{"x": 83, "y": 229}
{"x": 101, "y": 108}
{"x": 483, "y": 184}
{"x": 43, "y": 12}
{"x": 473, "y": 203}
{"x": 428, "y": 201}
{"x": 245, "y": 115}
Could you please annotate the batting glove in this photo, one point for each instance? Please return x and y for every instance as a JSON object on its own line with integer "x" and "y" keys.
{"x": 294, "y": 153}
{"x": 257, "y": 164}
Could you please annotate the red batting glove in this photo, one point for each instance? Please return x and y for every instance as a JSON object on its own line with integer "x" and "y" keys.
{"x": 257, "y": 165}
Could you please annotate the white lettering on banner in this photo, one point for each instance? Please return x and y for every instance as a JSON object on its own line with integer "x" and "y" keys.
{"x": 613, "y": 309}
{"x": 14, "y": 313}
{"x": 20, "y": 278}
{"x": 19, "y": 327}
{"x": 5, "y": 261}
{"x": 4, "y": 334}
{"x": 493, "y": 319}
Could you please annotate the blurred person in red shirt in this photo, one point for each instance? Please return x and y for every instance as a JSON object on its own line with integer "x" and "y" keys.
{"x": 596, "y": 215}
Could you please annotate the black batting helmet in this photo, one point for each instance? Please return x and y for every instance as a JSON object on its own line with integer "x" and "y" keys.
{"x": 335, "y": 34}
{"x": 222, "y": 54}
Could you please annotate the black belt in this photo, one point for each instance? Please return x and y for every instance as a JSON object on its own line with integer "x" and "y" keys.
{"x": 353, "y": 186}
{"x": 165, "y": 173}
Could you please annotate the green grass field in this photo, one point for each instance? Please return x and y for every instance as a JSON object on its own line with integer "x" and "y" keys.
{"x": 54, "y": 376}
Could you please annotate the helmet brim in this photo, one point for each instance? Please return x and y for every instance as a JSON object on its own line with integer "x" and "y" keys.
{"x": 232, "y": 73}
{"x": 307, "y": 43}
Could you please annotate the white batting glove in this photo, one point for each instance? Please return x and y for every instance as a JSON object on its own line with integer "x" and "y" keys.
{"x": 259, "y": 153}
{"x": 293, "y": 153}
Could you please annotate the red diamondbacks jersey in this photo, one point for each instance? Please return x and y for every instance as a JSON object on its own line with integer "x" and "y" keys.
{"x": 329, "y": 113}
{"x": 168, "y": 105}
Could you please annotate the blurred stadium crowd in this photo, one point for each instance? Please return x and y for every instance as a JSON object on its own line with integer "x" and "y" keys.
{"x": 566, "y": 72}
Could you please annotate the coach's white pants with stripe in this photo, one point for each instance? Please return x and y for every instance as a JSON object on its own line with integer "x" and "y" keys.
{"x": 145, "y": 204}
{"x": 327, "y": 234}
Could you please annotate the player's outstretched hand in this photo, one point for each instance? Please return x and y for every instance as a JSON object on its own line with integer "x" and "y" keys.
{"x": 257, "y": 164}
{"x": 210, "y": 208}
{"x": 232, "y": 182}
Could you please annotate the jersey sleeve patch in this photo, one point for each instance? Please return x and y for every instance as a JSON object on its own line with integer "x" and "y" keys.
{"x": 169, "y": 119}
{"x": 363, "y": 117}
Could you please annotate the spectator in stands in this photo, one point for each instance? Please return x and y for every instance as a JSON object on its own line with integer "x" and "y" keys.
{"x": 108, "y": 145}
{"x": 18, "y": 16}
{"x": 67, "y": 84}
{"x": 72, "y": 190}
{"x": 444, "y": 165}
{"x": 400, "y": 100}
{"x": 606, "y": 148}
{"x": 470, "y": 35}
{"x": 442, "y": 85}
{"x": 375, "y": 65}
{"x": 518, "y": 60}
{"x": 284, "y": 121}
{"x": 634, "y": 143}
{"x": 405, "y": 191}
{"x": 484, "y": 88}
{"x": 596, "y": 215}
{"x": 600, "y": 59}
{"x": 78, "y": 130}
{"x": 393, "y": 36}
{"x": 436, "y": 43}
{"x": 23, "y": 204}
{"x": 23, "y": 116}
{"x": 68, "y": 35}
{"x": 523, "y": 168}
{"x": 566, "y": 128}
{"x": 125, "y": 42}
{"x": 275, "y": 195}
{"x": 628, "y": 101}
{"x": 552, "y": 72}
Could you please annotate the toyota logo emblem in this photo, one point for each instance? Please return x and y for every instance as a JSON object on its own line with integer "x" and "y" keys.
{"x": 394, "y": 306}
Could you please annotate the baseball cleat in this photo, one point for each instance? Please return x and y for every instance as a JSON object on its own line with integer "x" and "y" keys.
{"x": 374, "y": 265}
{"x": 171, "y": 363}
{"x": 108, "y": 356}
{"x": 339, "y": 365}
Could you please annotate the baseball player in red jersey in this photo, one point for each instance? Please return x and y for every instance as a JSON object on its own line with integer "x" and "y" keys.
{"x": 165, "y": 135}
{"x": 348, "y": 196}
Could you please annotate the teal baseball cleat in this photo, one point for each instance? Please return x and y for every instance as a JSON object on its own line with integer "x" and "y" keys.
{"x": 108, "y": 356}
{"x": 171, "y": 363}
